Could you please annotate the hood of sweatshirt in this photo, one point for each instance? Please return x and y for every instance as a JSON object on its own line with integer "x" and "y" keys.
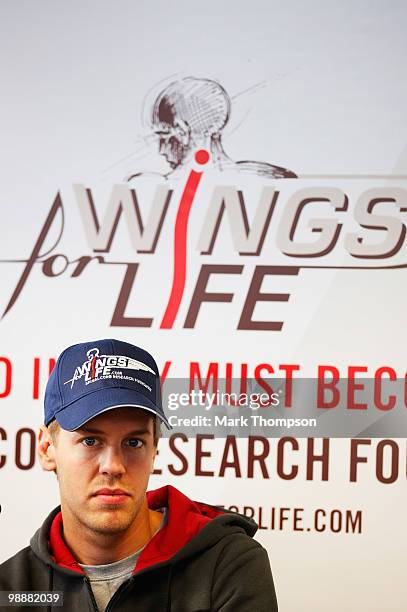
{"x": 191, "y": 527}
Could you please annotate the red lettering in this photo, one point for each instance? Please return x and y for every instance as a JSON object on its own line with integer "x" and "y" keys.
{"x": 312, "y": 458}
{"x": 36, "y": 374}
{"x": 289, "y": 369}
{"x": 353, "y": 387}
{"x": 260, "y": 457}
{"x": 3, "y": 458}
{"x": 354, "y": 457}
{"x": 31, "y": 448}
{"x": 234, "y": 461}
{"x": 330, "y": 385}
{"x": 164, "y": 372}
{"x": 263, "y": 384}
{"x": 200, "y": 454}
{"x": 195, "y": 373}
{"x": 394, "y": 461}
{"x": 280, "y": 458}
{"x": 7, "y": 378}
{"x": 378, "y": 388}
{"x": 184, "y": 463}
{"x": 243, "y": 381}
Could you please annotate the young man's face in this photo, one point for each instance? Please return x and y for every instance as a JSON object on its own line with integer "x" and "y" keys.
{"x": 112, "y": 452}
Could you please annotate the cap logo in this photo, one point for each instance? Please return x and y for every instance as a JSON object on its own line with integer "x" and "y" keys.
{"x": 101, "y": 367}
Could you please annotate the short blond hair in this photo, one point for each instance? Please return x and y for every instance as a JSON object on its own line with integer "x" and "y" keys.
{"x": 54, "y": 427}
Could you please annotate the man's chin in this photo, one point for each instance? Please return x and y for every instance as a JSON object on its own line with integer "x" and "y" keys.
{"x": 109, "y": 518}
{"x": 109, "y": 523}
{"x": 110, "y": 530}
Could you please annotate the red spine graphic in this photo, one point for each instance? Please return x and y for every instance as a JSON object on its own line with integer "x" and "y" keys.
{"x": 180, "y": 243}
{"x": 93, "y": 367}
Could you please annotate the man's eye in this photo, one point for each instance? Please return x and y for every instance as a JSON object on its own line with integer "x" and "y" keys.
{"x": 89, "y": 441}
{"x": 135, "y": 442}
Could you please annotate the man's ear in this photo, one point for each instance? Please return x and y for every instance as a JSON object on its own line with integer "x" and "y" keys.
{"x": 46, "y": 450}
{"x": 182, "y": 131}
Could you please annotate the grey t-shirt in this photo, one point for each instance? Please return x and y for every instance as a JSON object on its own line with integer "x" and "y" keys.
{"x": 106, "y": 579}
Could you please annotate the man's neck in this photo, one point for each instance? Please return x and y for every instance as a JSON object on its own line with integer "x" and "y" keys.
{"x": 94, "y": 548}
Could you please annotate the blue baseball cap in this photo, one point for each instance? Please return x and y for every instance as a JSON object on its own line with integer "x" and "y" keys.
{"x": 93, "y": 377}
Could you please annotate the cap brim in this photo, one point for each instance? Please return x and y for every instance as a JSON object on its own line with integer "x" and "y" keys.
{"x": 85, "y": 408}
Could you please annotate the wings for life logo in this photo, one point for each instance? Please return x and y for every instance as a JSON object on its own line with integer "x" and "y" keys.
{"x": 325, "y": 222}
{"x": 100, "y": 367}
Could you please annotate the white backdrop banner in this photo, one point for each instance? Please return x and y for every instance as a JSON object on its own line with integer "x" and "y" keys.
{"x": 224, "y": 185}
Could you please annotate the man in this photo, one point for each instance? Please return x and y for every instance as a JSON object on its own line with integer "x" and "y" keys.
{"x": 110, "y": 545}
{"x": 190, "y": 114}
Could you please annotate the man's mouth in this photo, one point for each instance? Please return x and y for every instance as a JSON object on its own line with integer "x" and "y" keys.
{"x": 111, "y": 496}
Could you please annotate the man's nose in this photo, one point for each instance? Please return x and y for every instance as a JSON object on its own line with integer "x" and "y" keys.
{"x": 112, "y": 462}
